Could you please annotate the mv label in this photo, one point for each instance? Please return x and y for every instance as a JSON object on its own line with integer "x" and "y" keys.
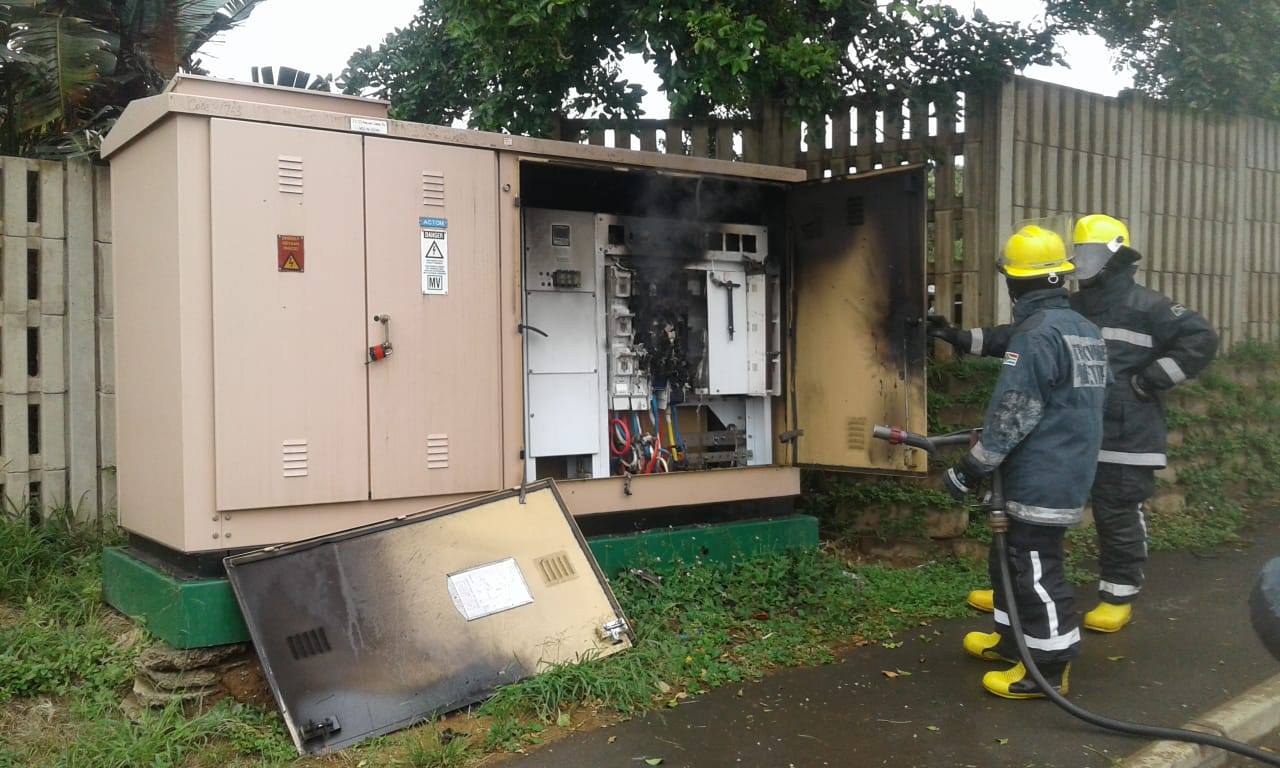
{"x": 434, "y": 243}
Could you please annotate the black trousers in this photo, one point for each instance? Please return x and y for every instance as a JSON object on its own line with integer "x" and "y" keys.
{"x": 1046, "y": 602}
{"x": 1118, "y": 494}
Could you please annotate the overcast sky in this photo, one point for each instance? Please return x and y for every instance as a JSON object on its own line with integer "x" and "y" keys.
{"x": 319, "y": 35}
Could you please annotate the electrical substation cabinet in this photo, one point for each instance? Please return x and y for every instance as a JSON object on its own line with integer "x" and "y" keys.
{"x": 326, "y": 318}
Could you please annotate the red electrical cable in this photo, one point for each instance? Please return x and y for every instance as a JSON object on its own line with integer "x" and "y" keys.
{"x": 626, "y": 437}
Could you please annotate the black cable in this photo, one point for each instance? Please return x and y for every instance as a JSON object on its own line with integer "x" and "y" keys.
{"x": 1127, "y": 728}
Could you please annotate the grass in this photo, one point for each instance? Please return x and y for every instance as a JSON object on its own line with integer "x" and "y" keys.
{"x": 699, "y": 626}
{"x": 705, "y": 625}
{"x": 66, "y": 660}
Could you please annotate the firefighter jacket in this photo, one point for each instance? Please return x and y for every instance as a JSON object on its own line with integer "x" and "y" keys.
{"x": 1149, "y": 338}
{"x": 1043, "y": 427}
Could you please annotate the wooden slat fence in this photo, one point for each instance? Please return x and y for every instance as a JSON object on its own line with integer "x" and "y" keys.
{"x": 1200, "y": 191}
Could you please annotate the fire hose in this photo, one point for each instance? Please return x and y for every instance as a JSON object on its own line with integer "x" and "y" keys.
{"x": 999, "y": 523}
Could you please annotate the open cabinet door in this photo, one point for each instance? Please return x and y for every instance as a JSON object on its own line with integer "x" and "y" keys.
{"x": 857, "y": 318}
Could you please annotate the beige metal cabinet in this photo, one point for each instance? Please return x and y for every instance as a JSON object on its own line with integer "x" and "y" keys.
{"x": 259, "y": 232}
{"x": 435, "y": 405}
{"x": 288, "y": 339}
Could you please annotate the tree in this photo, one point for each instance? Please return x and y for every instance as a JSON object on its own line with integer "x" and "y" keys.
{"x": 1211, "y": 55}
{"x": 70, "y": 66}
{"x": 517, "y": 64}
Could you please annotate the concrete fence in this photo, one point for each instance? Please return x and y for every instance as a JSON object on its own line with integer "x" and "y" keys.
{"x": 1201, "y": 193}
{"x": 57, "y": 418}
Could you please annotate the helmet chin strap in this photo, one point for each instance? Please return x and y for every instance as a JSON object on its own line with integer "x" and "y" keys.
{"x": 1054, "y": 279}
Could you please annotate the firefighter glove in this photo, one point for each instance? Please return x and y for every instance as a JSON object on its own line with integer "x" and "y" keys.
{"x": 958, "y": 482}
{"x": 942, "y": 330}
{"x": 1140, "y": 388}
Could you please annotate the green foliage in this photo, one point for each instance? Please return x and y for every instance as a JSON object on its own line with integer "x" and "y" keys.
{"x": 1228, "y": 457}
{"x": 849, "y": 504}
{"x": 517, "y": 65}
{"x": 964, "y": 381}
{"x": 59, "y": 637}
{"x": 70, "y": 66}
{"x": 1253, "y": 351}
{"x": 1219, "y": 55}
{"x": 45, "y": 656}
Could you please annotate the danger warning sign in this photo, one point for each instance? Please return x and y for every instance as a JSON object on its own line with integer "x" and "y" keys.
{"x": 290, "y": 253}
{"x": 435, "y": 257}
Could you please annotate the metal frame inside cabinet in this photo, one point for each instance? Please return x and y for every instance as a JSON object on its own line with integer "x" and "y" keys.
{"x": 370, "y": 630}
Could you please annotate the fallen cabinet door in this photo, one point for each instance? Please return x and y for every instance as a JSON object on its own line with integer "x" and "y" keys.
{"x": 367, "y": 631}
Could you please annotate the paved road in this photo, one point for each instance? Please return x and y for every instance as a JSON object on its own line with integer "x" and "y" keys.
{"x": 1189, "y": 649}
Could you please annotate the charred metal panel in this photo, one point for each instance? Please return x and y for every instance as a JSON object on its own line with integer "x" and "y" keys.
{"x": 856, "y": 315}
{"x": 371, "y": 630}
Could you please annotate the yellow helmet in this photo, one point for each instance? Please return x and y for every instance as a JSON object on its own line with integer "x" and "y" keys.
{"x": 1096, "y": 239}
{"x": 1034, "y": 251}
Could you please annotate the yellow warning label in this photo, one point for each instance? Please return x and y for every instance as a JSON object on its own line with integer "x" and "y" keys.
{"x": 290, "y": 265}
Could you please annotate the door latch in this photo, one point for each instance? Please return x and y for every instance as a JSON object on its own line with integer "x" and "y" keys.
{"x": 614, "y": 630}
{"x": 313, "y": 730}
{"x": 790, "y": 435}
{"x": 383, "y": 350}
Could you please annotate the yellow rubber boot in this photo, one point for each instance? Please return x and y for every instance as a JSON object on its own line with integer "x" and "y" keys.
{"x": 1108, "y": 617}
{"x": 982, "y": 599}
{"x": 982, "y": 645}
{"x": 1015, "y": 683}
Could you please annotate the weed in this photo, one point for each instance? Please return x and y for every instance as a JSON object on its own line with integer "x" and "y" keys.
{"x": 160, "y": 739}
{"x": 510, "y": 733}
{"x": 434, "y": 749}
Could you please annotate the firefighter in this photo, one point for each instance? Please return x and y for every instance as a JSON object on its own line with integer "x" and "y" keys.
{"x": 1042, "y": 430}
{"x": 1153, "y": 344}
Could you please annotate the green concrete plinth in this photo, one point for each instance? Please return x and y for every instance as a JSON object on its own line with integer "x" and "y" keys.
{"x": 718, "y": 543}
{"x": 185, "y": 614}
{"x": 203, "y": 612}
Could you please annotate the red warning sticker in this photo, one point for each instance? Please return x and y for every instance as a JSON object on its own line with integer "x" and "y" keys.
{"x": 290, "y": 253}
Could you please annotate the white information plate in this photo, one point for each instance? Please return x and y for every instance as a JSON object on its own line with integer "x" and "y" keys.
{"x": 489, "y": 589}
{"x": 368, "y": 125}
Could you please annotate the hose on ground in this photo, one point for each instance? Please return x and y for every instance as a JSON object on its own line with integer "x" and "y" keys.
{"x": 1131, "y": 729}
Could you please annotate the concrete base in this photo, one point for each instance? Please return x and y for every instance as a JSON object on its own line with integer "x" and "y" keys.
{"x": 202, "y": 612}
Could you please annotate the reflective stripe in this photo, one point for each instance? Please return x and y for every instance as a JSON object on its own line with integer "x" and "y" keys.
{"x": 1119, "y": 590}
{"x": 1050, "y": 609}
{"x": 1131, "y": 337}
{"x": 975, "y": 341}
{"x": 954, "y": 478}
{"x": 1132, "y": 459}
{"x": 988, "y": 459}
{"x": 1172, "y": 369}
{"x": 1059, "y": 643}
{"x": 1045, "y": 515}
{"x": 1142, "y": 521}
